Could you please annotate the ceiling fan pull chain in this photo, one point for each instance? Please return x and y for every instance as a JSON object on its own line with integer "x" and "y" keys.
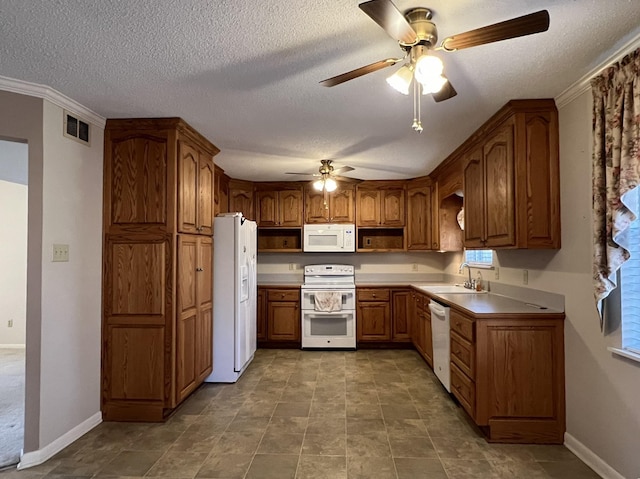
{"x": 417, "y": 120}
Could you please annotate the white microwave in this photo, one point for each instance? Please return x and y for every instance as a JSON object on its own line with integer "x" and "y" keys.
{"x": 329, "y": 238}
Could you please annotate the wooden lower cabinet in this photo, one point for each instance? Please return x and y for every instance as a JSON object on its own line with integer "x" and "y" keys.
{"x": 194, "y": 337}
{"x": 507, "y": 372}
{"x": 421, "y": 330}
{"x": 383, "y": 316}
{"x": 279, "y": 317}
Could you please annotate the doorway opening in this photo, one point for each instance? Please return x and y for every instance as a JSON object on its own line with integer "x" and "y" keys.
{"x": 13, "y": 297}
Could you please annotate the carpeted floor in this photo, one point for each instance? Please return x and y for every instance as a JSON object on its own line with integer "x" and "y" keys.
{"x": 11, "y": 405}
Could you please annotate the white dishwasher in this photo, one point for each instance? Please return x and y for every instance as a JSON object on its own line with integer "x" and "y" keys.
{"x": 441, "y": 342}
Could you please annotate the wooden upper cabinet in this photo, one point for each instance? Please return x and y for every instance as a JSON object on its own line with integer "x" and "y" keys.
{"x": 279, "y": 207}
{"x": 136, "y": 174}
{"x": 392, "y": 207}
{"x": 334, "y": 207}
{"x": 241, "y": 198}
{"x": 221, "y": 191}
{"x": 420, "y": 223}
{"x": 367, "y": 207}
{"x": 380, "y": 204}
{"x": 195, "y": 190}
{"x": 498, "y": 158}
{"x": 511, "y": 181}
{"x": 474, "y": 200}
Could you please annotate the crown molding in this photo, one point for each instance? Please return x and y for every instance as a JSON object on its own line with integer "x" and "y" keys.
{"x": 584, "y": 83}
{"x": 54, "y": 96}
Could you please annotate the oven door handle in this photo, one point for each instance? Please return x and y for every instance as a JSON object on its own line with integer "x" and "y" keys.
{"x": 320, "y": 314}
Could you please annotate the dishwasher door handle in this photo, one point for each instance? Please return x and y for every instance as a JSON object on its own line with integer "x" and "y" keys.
{"x": 438, "y": 309}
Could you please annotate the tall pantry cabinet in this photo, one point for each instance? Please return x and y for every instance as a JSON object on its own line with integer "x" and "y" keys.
{"x": 157, "y": 266}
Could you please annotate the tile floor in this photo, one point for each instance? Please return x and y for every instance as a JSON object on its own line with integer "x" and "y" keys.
{"x": 301, "y": 414}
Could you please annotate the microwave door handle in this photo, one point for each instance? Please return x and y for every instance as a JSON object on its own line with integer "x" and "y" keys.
{"x": 341, "y": 240}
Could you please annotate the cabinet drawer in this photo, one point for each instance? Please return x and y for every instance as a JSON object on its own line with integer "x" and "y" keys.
{"x": 373, "y": 294}
{"x": 283, "y": 295}
{"x": 461, "y": 325}
{"x": 463, "y": 355}
{"x": 464, "y": 390}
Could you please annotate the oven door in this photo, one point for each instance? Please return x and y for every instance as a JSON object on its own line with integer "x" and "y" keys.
{"x": 328, "y": 330}
{"x": 347, "y": 297}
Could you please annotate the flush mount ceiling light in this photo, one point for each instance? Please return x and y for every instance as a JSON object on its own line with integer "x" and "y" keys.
{"x": 417, "y": 36}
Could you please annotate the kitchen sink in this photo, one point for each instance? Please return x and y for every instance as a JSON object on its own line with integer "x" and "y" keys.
{"x": 449, "y": 288}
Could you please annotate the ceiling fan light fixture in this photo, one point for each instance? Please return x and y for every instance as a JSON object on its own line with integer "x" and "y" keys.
{"x": 330, "y": 185}
{"x": 428, "y": 73}
{"x": 318, "y": 185}
{"x": 401, "y": 80}
{"x": 433, "y": 85}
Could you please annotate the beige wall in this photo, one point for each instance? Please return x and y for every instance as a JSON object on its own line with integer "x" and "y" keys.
{"x": 63, "y": 299}
{"x": 13, "y": 263}
{"x": 21, "y": 118}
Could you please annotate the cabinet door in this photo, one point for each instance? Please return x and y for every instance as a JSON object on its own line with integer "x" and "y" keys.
{"x": 261, "y": 315}
{"x": 267, "y": 208}
{"x": 188, "y": 166}
{"x": 419, "y": 222}
{"x": 341, "y": 205}
{"x": 368, "y": 208}
{"x": 283, "y": 320}
{"x": 290, "y": 208}
{"x": 241, "y": 199}
{"x": 401, "y": 323}
{"x": 205, "y": 212}
{"x": 474, "y": 201}
{"x": 204, "y": 324}
{"x": 392, "y": 207}
{"x": 427, "y": 335}
{"x": 316, "y": 206}
{"x": 373, "y": 322}
{"x": 499, "y": 182}
{"x": 187, "y": 299}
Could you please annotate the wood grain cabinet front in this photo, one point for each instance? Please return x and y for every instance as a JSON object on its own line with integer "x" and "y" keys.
{"x": 157, "y": 281}
{"x": 507, "y": 371}
{"x": 279, "y": 207}
{"x": 380, "y": 204}
{"x": 510, "y": 178}
{"x": 422, "y": 230}
{"x": 279, "y": 317}
{"x": 335, "y": 207}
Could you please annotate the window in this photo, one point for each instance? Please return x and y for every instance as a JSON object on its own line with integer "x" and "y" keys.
{"x": 630, "y": 292}
{"x": 479, "y": 257}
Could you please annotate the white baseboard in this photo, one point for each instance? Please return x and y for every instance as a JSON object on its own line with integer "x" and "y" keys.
{"x": 12, "y": 346}
{"x": 587, "y": 456}
{"x": 34, "y": 458}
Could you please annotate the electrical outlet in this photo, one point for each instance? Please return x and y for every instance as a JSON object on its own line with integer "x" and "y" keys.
{"x": 496, "y": 273}
{"x": 10, "y": 323}
{"x": 525, "y": 276}
{"x": 60, "y": 253}
{"x": 414, "y": 267}
{"x": 292, "y": 266}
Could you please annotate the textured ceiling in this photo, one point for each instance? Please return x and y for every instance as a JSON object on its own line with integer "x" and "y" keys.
{"x": 245, "y": 73}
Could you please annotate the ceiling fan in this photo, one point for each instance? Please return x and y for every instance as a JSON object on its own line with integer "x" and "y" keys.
{"x": 417, "y": 35}
{"x": 328, "y": 175}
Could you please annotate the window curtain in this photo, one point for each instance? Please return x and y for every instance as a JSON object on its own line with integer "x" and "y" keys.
{"x": 616, "y": 169}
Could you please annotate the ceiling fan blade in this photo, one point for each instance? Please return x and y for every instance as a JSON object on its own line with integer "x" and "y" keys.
{"x": 346, "y": 179}
{"x": 516, "y": 27}
{"x": 446, "y": 92}
{"x": 358, "y": 72}
{"x": 385, "y": 14}
{"x": 342, "y": 169}
{"x": 301, "y": 174}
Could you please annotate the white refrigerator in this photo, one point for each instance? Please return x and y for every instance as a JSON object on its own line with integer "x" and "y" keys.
{"x": 234, "y": 296}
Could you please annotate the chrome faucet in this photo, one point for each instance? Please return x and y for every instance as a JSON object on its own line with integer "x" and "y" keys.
{"x": 467, "y": 284}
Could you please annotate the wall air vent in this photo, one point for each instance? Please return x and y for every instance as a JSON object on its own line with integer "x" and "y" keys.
{"x": 76, "y": 129}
